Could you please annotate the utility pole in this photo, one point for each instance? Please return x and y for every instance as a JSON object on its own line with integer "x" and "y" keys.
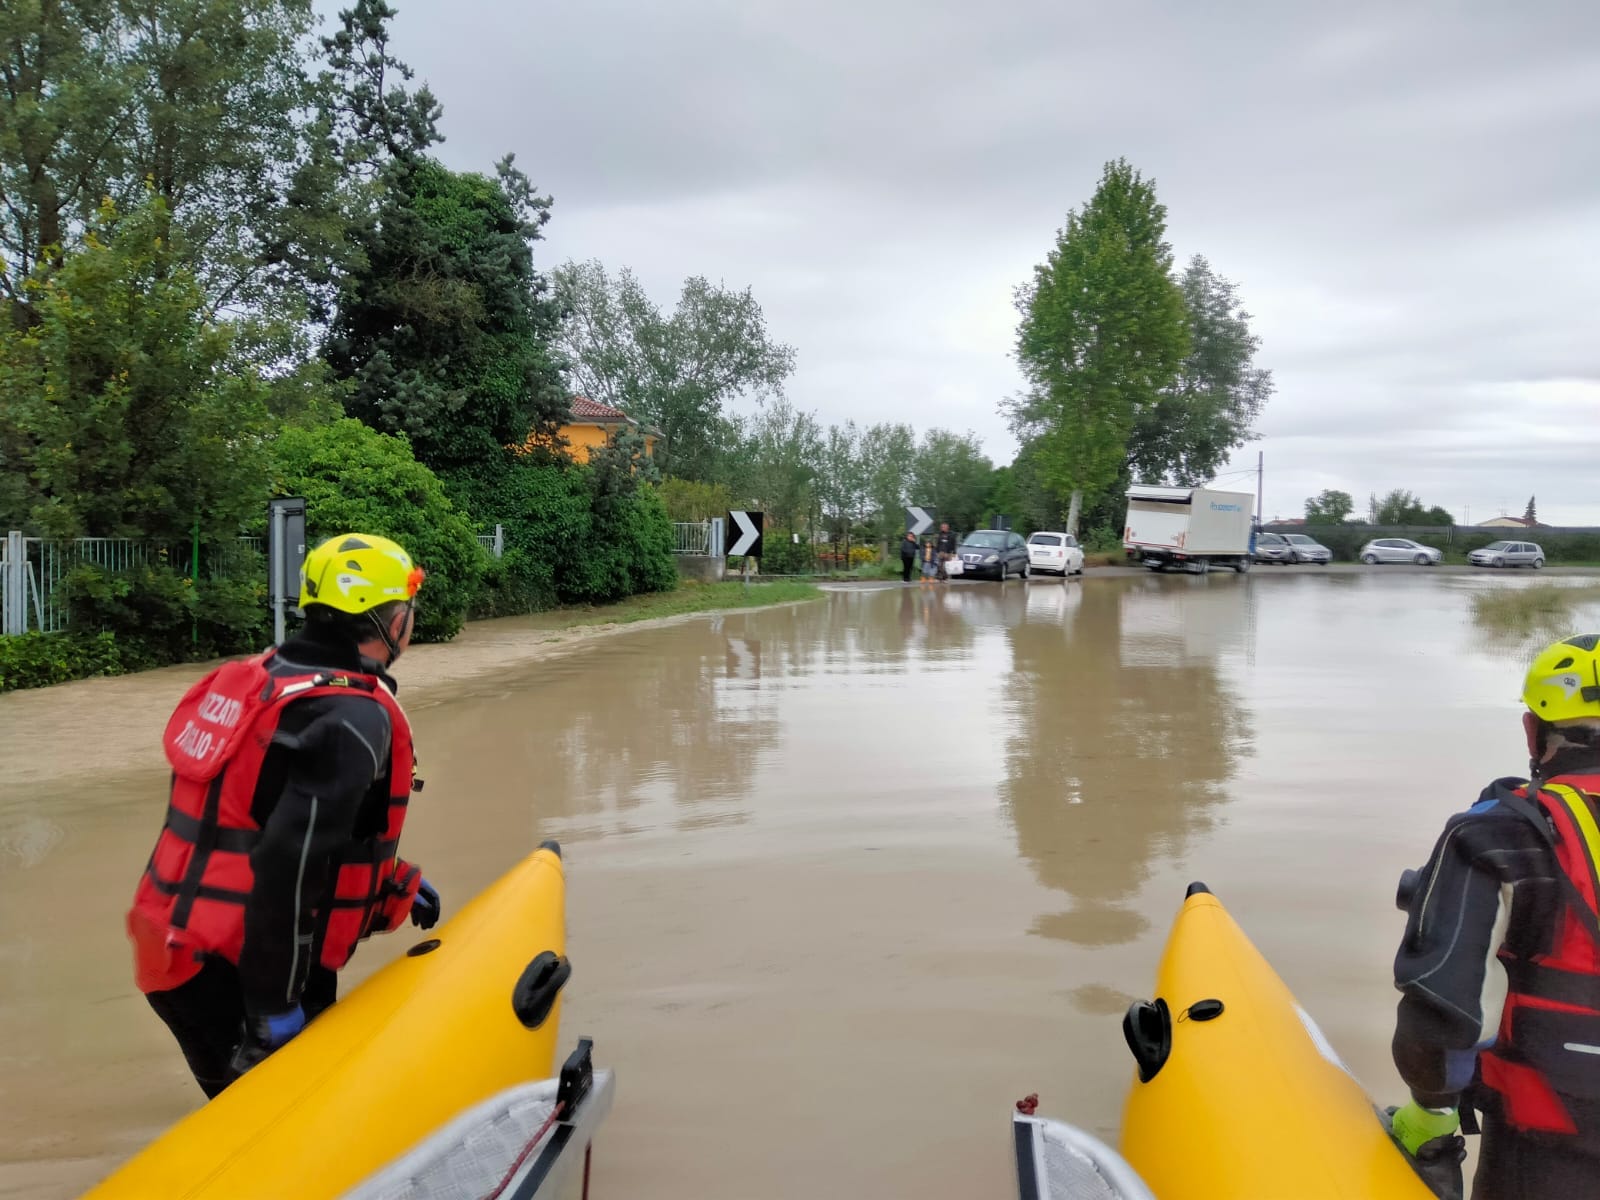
{"x": 1261, "y": 459}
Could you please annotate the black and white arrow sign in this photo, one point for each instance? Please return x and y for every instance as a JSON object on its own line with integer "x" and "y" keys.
{"x": 918, "y": 520}
{"x": 746, "y": 530}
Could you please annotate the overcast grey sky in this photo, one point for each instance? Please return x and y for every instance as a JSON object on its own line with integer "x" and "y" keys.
{"x": 1407, "y": 194}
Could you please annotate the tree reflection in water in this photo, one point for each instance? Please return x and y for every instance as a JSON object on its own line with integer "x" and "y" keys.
{"x": 1124, "y": 739}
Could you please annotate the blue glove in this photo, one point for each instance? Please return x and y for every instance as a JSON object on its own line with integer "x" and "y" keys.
{"x": 425, "y": 906}
{"x": 265, "y": 1033}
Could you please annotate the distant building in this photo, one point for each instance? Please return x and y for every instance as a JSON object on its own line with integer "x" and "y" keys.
{"x": 1508, "y": 523}
{"x": 591, "y": 425}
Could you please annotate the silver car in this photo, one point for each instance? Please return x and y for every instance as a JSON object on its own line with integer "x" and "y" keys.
{"x": 1508, "y": 554}
{"x": 1303, "y": 549}
{"x": 1400, "y": 550}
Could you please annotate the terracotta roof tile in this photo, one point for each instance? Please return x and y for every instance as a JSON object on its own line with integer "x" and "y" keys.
{"x": 585, "y": 409}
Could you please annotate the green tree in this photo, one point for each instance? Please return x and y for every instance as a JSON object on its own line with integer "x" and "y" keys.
{"x": 841, "y": 482}
{"x": 629, "y": 547}
{"x": 1102, "y": 337}
{"x": 678, "y": 373}
{"x": 1184, "y": 436}
{"x": 1401, "y": 507}
{"x": 128, "y": 411}
{"x": 781, "y": 454}
{"x": 952, "y": 474}
{"x": 356, "y": 479}
{"x": 444, "y": 330}
{"x": 370, "y": 118}
{"x": 61, "y": 92}
{"x": 219, "y": 128}
{"x": 888, "y": 460}
{"x": 207, "y": 105}
{"x": 1329, "y": 507}
{"x": 1005, "y": 496}
{"x": 1531, "y": 513}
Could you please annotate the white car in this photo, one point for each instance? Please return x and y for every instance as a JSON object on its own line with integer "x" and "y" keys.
{"x": 1055, "y": 553}
{"x": 1400, "y": 550}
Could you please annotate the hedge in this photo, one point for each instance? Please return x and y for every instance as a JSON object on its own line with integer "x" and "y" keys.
{"x": 1579, "y": 545}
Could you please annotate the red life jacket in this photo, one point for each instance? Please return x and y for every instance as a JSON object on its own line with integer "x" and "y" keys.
{"x": 1548, "y": 1046}
{"x": 191, "y": 900}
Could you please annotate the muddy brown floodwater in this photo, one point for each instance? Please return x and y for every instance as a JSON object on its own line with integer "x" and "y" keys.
{"x": 846, "y": 879}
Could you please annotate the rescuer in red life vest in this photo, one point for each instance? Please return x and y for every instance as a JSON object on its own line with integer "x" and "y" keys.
{"x": 1500, "y": 966}
{"x": 291, "y": 772}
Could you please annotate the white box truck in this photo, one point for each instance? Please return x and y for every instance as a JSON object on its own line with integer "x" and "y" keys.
{"x": 1190, "y": 529}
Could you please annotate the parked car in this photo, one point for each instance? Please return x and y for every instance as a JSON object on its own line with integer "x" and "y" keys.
{"x": 1400, "y": 550}
{"x": 1273, "y": 548}
{"x": 993, "y": 553}
{"x": 1508, "y": 554}
{"x": 1306, "y": 549}
{"x": 1055, "y": 553}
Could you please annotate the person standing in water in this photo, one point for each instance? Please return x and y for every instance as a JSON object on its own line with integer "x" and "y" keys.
{"x": 946, "y": 546}
{"x": 908, "y": 556}
{"x": 291, "y": 773}
{"x": 1499, "y": 970}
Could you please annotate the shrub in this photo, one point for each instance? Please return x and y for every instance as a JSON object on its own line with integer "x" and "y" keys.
{"x": 357, "y": 480}
{"x": 652, "y": 568}
{"x": 544, "y": 508}
{"x": 782, "y": 555}
{"x": 860, "y": 556}
{"x": 628, "y": 550}
{"x": 629, "y": 546}
{"x": 40, "y": 659}
{"x": 1103, "y": 540}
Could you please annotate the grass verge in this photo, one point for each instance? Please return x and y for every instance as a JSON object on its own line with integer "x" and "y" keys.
{"x": 688, "y": 597}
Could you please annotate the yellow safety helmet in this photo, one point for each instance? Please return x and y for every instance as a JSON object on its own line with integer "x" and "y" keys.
{"x": 356, "y": 572}
{"x": 1563, "y": 682}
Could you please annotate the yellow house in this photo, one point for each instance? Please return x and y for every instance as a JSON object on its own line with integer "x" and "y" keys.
{"x": 593, "y": 423}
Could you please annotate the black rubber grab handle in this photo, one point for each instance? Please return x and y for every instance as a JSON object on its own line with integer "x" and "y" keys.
{"x": 1147, "y": 1027}
{"x": 539, "y": 985}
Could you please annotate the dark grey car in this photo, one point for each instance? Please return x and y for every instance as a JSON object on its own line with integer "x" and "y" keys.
{"x": 993, "y": 554}
{"x": 1273, "y": 547}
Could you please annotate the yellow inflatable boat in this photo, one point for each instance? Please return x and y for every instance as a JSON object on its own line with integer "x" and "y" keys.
{"x": 470, "y": 1013}
{"x": 1238, "y": 1094}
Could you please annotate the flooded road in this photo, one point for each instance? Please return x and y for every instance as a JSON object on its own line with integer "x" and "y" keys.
{"x": 849, "y": 878}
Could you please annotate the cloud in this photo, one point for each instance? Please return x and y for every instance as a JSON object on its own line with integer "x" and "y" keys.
{"x": 1409, "y": 197}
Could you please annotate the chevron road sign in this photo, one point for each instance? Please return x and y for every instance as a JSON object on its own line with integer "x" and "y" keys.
{"x": 745, "y": 530}
{"x": 918, "y": 520}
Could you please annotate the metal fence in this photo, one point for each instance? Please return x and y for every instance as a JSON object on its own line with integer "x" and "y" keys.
{"x": 691, "y": 537}
{"x": 494, "y": 543}
{"x": 33, "y": 571}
